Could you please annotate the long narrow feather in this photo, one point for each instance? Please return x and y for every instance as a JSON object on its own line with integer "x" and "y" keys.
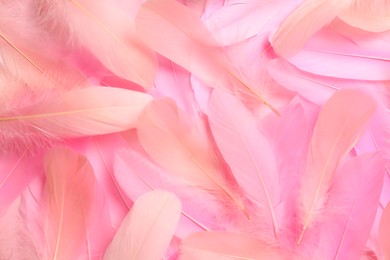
{"x": 228, "y": 246}
{"x": 184, "y": 150}
{"x": 303, "y": 22}
{"x": 194, "y": 47}
{"x": 80, "y": 112}
{"x": 105, "y": 30}
{"x": 249, "y": 155}
{"x": 70, "y": 190}
{"x": 147, "y": 230}
{"x": 338, "y": 128}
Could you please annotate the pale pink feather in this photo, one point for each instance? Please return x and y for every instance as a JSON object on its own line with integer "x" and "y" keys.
{"x": 250, "y": 157}
{"x": 106, "y": 30}
{"x": 147, "y": 230}
{"x": 344, "y": 226}
{"x": 373, "y": 16}
{"x": 70, "y": 190}
{"x": 77, "y": 113}
{"x": 339, "y": 125}
{"x": 384, "y": 233}
{"x": 183, "y": 148}
{"x": 302, "y": 23}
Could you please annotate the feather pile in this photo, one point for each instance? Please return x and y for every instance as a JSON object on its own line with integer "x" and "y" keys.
{"x": 194, "y": 130}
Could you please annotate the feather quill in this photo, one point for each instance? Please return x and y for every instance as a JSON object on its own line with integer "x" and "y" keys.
{"x": 303, "y": 22}
{"x": 184, "y": 150}
{"x": 338, "y": 128}
{"x": 105, "y": 30}
{"x": 70, "y": 190}
{"x": 249, "y": 155}
{"x": 147, "y": 230}
{"x": 194, "y": 47}
{"x": 79, "y": 112}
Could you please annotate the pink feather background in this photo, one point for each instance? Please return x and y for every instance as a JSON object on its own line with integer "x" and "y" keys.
{"x": 194, "y": 129}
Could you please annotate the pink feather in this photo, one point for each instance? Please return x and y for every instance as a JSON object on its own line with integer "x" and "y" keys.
{"x": 303, "y": 22}
{"x": 338, "y": 128}
{"x": 344, "y": 226}
{"x": 77, "y": 113}
{"x": 250, "y": 157}
{"x": 373, "y": 16}
{"x": 194, "y": 47}
{"x": 71, "y": 190}
{"x": 147, "y": 230}
{"x": 384, "y": 234}
{"x": 105, "y": 30}
{"x": 183, "y": 148}
{"x": 228, "y": 246}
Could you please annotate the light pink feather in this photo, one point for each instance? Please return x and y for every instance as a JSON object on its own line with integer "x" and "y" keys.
{"x": 373, "y": 16}
{"x": 250, "y": 157}
{"x": 384, "y": 233}
{"x": 188, "y": 43}
{"x": 238, "y": 21}
{"x": 105, "y": 30}
{"x": 147, "y": 230}
{"x": 338, "y": 128}
{"x": 183, "y": 148}
{"x": 228, "y": 246}
{"x": 344, "y": 226}
{"x": 303, "y": 22}
{"x": 79, "y": 112}
{"x": 70, "y": 190}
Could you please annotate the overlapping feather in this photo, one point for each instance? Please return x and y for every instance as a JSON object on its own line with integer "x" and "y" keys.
{"x": 338, "y": 128}
{"x": 147, "y": 230}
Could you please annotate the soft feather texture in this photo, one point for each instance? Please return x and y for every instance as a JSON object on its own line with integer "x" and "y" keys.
{"x": 303, "y": 22}
{"x": 250, "y": 157}
{"x": 338, "y": 128}
{"x": 238, "y": 21}
{"x": 227, "y": 246}
{"x": 344, "y": 226}
{"x": 384, "y": 228}
{"x": 147, "y": 230}
{"x": 194, "y": 47}
{"x": 80, "y": 112}
{"x": 70, "y": 191}
{"x": 184, "y": 149}
{"x": 106, "y": 30}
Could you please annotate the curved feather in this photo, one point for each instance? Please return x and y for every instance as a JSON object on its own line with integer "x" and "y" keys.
{"x": 303, "y": 22}
{"x": 184, "y": 149}
{"x": 194, "y": 47}
{"x": 373, "y": 16}
{"x": 70, "y": 190}
{"x": 147, "y": 230}
{"x": 79, "y": 112}
{"x": 249, "y": 155}
{"x": 338, "y": 128}
{"x": 105, "y": 30}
